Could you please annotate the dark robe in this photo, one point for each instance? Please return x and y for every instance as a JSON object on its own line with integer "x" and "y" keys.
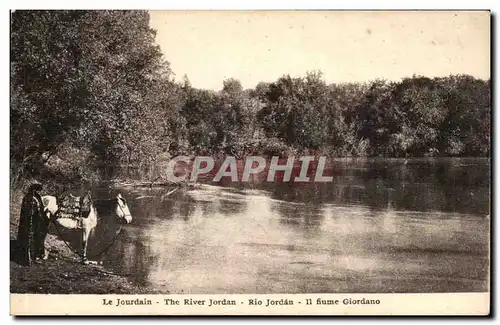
{"x": 33, "y": 226}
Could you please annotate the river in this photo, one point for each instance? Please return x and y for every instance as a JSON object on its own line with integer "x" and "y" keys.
{"x": 382, "y": 225}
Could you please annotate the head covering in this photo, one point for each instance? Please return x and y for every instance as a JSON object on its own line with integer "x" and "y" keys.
{"x": 35, "y": 186}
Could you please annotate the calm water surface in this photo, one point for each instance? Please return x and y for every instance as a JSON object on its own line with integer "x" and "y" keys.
{"x": 380, "y": 226}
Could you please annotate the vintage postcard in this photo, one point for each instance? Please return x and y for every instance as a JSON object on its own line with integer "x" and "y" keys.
{"x": 293, "y": 162}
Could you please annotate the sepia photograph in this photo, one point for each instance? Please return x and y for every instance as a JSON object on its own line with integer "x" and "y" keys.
{"x": 250, "y": 161}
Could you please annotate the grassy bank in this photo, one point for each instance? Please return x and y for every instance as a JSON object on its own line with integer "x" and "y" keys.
{"x": 61, "y": 272}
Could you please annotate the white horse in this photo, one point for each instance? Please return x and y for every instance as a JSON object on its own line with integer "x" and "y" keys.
{"x": 117, "y": 206}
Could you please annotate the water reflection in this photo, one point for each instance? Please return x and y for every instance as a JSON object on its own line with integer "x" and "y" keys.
{"x": 381, "y": 226}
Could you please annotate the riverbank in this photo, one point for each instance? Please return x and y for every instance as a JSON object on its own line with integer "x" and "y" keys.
{"x": 62, "y": 272}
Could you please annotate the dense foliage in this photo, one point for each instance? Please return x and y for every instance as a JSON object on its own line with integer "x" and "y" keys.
{"x": 94, "y": 86}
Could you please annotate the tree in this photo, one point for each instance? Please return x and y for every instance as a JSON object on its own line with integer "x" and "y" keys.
{"x": 378, "y": 117}
{"x": 94, "y": 77}
{"x": 465, "y": 130}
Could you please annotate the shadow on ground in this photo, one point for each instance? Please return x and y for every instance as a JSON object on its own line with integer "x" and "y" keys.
{"x": 16, "y": 254}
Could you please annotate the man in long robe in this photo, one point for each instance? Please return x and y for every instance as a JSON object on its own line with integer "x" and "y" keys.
{"x": 33, "y": 226}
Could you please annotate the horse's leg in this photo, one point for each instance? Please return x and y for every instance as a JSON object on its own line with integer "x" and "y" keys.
{"x": 85, "y": 239}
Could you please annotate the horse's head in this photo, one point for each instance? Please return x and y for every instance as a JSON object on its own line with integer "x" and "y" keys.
{"x": 122, "y": 210}
{"x": 50, "y": 205}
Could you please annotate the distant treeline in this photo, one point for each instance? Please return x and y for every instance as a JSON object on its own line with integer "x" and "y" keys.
{"x": 92, "y": 88}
